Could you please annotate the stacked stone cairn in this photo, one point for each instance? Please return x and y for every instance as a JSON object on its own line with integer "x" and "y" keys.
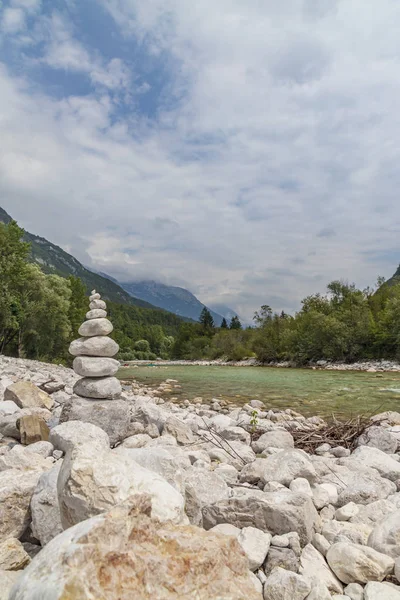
{"x": 94, "y": 352}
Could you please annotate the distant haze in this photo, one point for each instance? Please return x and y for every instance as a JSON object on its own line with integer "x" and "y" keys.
{"x": 246, "y": 151}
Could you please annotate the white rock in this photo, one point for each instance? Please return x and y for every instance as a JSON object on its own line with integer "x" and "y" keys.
{"x": 386, "y": 535}
{"x": 226, "y": 529}
{"x": 321, "y": 496}
{"x": 96, "y": 313}
{"x": 202, "y": 488}
{"x": 255, "y": 544}
{"x": 19, "y": 458}
{"x": 46, "y": 520}
{"x": 355, "y": 532}
{"x": 282, "y": 467}
{"x": 228, "y": 473}
{"x": 301, "y": 486}
{"x": 276, "y": 513}
{"x": 12, "y": 555}
{"x": 73, "y": 434}
{"x": 92, "y": 481}
{"x": 44, "y": 449}
{"x": 313, "y": 566}
{"x": 319, "y": 591}
{"x": 91, "y": 366}
{"x": 102, "y": 388}
{"x": 380, "y": 438}
{"x": 236, "y": 454}
{"x": 380, "y": 591}
{"x": 140, "y": 440}
{"x": 286, "y": 585}
{"x": 320, "y": 543}
{"x": 237, "y": 434}
{"x": 353, "y": 563}
{"x": 366, "y": 456}
{"x": 95, "y": 346}
{"x": 279, "y": 438}
{"x": 179, "y": 430}
{"x": 7, "y": 579}
{"x": 95, "y": 327}
{"x": 16, "y": 489}
{"x": 98, "y": 304}
{"x": 159, "y": 460}
{"x": 346, "y": 512}
{"x": 354, "y": 591}
{"x": 8, "y": 407}
{"x": 148, "y": 413}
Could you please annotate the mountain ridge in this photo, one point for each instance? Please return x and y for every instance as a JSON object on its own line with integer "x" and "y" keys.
{"x": 177, "y": 300}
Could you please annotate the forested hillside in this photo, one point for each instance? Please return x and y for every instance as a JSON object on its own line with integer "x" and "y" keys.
{"x": 54, "y": 260}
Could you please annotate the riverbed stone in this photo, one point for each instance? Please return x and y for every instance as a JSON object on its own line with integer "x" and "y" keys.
{"x": 12, "y": 555}
{"x": 286, "y": 585}
{"x": 354, "y": 591}
{"x": 314, "y": 567}
{"x": 127, "y": 554}
{"x": 202, "y": 488}
{"x": 255, "y": 544}
{"x": 380, "y": 591}
{"x": 282, "y": 467}
{"x": 279, "y": 438}
{"x": 378, "y": 437}
{"x": 179, "y": 430}
{"x": 45, "y": 509}
{"x": 112, "y": 417}
{"x": 346, "y": 512}
{"x": 95, "y": 327}
{"x": 94, "y": 346}
{"x": 8, "y": 407}
{"x": 27, "y": 395}
{"x": 16, "y": 489}
{"x": 276, "y": 512}
{"x": 285, "y": 558}
{"x": 91, "y": 366}
{"x": 354, "y": 563}
{"x": 385, "y": 537}
{"x": 367, "y": 456}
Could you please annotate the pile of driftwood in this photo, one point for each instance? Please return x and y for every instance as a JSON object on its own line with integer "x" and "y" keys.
{"x": 332, "y": 432}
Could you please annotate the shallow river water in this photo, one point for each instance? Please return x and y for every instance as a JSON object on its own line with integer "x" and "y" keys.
{"x": 343, "y": 393}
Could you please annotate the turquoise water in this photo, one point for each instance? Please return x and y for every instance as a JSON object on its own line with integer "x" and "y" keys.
{"x": 343, "y": 393}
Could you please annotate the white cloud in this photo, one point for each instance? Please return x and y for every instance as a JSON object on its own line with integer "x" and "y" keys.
{"x": 273, "y": 171}
{"x": 12, "y": 20}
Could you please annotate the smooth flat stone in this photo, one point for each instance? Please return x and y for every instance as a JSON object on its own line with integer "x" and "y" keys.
{"x": 95, "y": 346}
{"x": 94, "y": 297}
{"x": 95, "y": 327}
{"x": 96, "y": 313}
{"x": 102, "y": 388}
{"x": 98, "y": 304}
{"x": 88, "y": 366}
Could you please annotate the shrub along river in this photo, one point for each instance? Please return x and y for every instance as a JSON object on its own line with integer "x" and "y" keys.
{"x": 343, "y": 393}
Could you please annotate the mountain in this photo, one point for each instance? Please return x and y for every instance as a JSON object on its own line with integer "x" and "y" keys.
{"x": 53, "y": 259}
{"x": 225, "y": 311}
{"x": 395, "y": 279}
{"x": 174, "y": 299}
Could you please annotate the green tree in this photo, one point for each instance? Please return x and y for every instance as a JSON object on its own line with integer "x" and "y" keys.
{"x": 235, "y": 323}
{"x": 224, "y": 324}
{"x": 206, "y": 319}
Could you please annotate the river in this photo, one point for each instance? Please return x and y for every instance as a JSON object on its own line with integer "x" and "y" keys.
{"x": 343, "y": 393}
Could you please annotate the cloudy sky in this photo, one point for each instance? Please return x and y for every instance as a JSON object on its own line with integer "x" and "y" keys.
{"x": 247, "y": 150}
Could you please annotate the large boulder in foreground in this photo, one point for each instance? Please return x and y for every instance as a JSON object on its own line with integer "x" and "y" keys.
{"x": 125, "y": 554}
{"x": 111, "y": 416}
{"x": 27, "y": 395}
{"x": 274, "y": 512}
{"x": 93, "y": 479}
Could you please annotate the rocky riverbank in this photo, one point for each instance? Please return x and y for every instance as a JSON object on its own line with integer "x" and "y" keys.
{"x": 151, "y": 499}
{"x": 371, "y": 366}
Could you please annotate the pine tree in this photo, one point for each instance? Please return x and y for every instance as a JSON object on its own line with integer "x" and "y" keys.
{"x": 224, "y": 324}
{"x": 235, "y": 323}
{"x": 206, "y": 318}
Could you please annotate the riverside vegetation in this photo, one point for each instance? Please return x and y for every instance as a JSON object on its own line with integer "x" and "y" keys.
{"x": 39, "y": 312}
